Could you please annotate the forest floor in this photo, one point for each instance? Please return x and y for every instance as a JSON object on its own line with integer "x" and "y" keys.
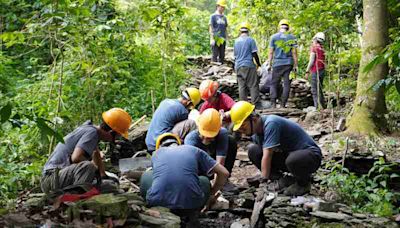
{"x": 249, "y": 206}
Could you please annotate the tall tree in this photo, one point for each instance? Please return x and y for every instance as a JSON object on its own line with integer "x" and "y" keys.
{"x": 369, "y": 108}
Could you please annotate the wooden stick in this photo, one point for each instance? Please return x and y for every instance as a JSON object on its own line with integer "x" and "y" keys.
{"x": 153, "y": 106}
{"x": 345, "y": 152}
{"x": 137, "y": 121}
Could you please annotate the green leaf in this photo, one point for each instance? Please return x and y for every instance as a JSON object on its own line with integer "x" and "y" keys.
{"x": 394, "y": 175}
{"x": 47, "y": 131}
{"x": 5, "y": 113}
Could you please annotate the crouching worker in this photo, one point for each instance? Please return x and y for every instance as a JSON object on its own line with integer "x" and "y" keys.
{"x": 215, "y": 140}
{"x": 280, "y": 145}
{"x": 172, "y": 116}
{"x": 78, "y": 159}
{"x": 179, "y": 178}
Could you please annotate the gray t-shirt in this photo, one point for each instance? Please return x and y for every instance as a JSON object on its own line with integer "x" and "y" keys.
{"x": 85, "y": 137}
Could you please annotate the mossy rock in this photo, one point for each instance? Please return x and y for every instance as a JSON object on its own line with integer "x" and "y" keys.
{"x": 108, "y": 205}
{"x": 166, "y": 219}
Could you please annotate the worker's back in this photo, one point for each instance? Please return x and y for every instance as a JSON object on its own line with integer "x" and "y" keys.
{"x": 244, "y": 48}
{"x": 175, "y": 176}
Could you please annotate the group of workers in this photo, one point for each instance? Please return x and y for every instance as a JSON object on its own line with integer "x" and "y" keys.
{"x": 193, "y": 158}
{"x": 282, "y": 59}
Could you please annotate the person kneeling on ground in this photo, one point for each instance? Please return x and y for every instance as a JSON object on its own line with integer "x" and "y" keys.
{"x": 179, "y": 177}
{"x": 280, "y": 145}
{"x": 172, "y": 116}
{"x": 70, "y": 164}
{"x": 215, "y": 140}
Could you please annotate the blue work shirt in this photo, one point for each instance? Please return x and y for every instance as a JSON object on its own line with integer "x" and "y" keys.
{"x": 278, "y": 41}
{"x": 219, "y": 146}
{"x": 176, "y": 172}
{"x": 243, "y": 50}
{"x": 168, "y": 113}
{"x": 218, "y": 23}
{"x": 285, "y": 134}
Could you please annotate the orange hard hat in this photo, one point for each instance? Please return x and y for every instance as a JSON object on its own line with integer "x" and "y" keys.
{"x": 209, "y": 123}
{"x": 118, "y": 120}
{"x": 208, "y": 88}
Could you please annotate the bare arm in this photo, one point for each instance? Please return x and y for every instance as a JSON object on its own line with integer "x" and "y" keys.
{"x": 295, "y": 57}
{"x": 221, "y": 160}
{"x": 270, "y": 55}
{"x": 311, "y": 62}
{"x": 266, "y": 163}
{"x": 222, "y": 175}
{"x": 78, "y": 155}
{"x": 98, "y": 161}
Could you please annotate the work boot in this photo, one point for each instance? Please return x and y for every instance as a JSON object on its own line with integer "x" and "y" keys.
{"x": 273, "y": 104}
{"x": 297, "y": 190}
{"x": 257, "y": 179}
{"x": 230, "y": 188}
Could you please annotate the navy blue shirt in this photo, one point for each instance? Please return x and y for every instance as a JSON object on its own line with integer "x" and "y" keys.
{"x": 168, "y": 113}
{"x": 284, "y": 134}
{"x": 281, "y": 56}
{"x": 220, "y": 143}
{"x": 243, "y": 50}
{"x": 175, "y": 176}
{"x": 218, "y": 23}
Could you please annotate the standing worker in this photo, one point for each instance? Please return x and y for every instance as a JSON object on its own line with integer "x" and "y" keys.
{"x": 245, "y": 50}
{"x": 78, "y": 159}
{"x": 317, "y": 67}
{"x": 280, "y": 145}
{"x": 283, "y": 57}
{"x": 215, "y": 140}
{"x": 179, "y": 178}
{"x": 217, "y": 28}
{"x": 172, "y": 116}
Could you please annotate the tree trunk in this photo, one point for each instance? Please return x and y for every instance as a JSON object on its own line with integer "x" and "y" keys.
{"x": 369, "y": 106}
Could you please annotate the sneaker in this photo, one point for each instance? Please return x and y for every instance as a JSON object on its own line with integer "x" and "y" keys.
{"x": 297, "y": 190}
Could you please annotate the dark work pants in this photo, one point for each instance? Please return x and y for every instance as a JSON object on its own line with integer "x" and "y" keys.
{"x": 218, "y": 53}
{"x": 83, "y": 172}
{"x": 316, "y": 89}
{"x": 231, "y": 155}
{"x": 277, "y": 73}
{"x": 300, "y": 163}
{"x": 248, "y": 80}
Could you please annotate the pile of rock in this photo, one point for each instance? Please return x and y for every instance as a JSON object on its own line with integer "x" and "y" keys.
{"x": 300, "y": 95}
{"x": 127, "y": 209}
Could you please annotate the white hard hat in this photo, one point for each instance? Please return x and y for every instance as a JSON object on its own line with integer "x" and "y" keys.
{"x": 320, "y": 36}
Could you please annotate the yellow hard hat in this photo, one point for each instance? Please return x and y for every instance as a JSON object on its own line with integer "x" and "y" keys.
{"x": 118, "y": 120}
{"x": 239, "y": 113}
{"x": 222, "y": 3}
{"x": 244, "y": 25}
{"x": 284, "y": 22}
{"x": 167, "y": 135}
{"x": 194, "y": 95}
{"x": 209, "y": 123}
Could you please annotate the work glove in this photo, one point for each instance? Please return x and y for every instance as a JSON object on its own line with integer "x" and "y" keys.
{"x": 212, "y": 42}
{"x": 295, "y": 69}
